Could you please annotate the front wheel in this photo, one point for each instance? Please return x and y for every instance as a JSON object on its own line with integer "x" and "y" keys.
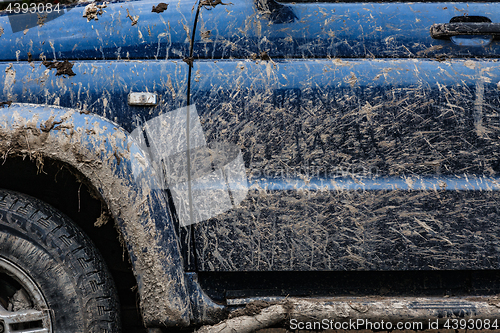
{"x": 52, "y": 278}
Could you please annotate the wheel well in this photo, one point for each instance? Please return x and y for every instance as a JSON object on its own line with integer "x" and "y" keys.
{"x": 66, "y": 189}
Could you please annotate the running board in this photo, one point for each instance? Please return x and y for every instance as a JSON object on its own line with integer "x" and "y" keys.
{"x": 391, "y": 309}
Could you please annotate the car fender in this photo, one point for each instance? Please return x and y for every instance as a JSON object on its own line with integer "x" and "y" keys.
{"x": 121, "y": 172}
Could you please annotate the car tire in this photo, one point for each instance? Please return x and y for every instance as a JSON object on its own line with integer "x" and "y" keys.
{"x": 51, "y": 275}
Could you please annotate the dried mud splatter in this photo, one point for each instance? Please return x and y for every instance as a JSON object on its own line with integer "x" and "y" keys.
{"x": 134, "y": 19}
{"x": 92, "y": 11}
{"x": 63, "y": 67}
{"x": 160, "y": 8}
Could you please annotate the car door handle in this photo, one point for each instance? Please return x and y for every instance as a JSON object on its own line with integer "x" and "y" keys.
{"x": 447, "y": 30}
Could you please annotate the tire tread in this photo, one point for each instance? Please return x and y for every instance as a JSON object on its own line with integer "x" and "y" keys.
{"x": 60, "y": 237}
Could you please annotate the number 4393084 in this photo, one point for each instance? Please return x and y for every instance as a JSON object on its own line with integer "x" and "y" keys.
{"x": 471, "y": 324}
{"x": 41, "y": 8}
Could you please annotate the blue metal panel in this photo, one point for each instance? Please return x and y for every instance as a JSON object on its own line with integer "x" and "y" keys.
{"x": 100, "y": 87}
{"x": 355, "y": 164}
{"x": 157, "y": 36}
{"x": 326, "y": 29}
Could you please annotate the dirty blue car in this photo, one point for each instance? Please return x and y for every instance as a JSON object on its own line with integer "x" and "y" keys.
{"x": 165, "y": 164}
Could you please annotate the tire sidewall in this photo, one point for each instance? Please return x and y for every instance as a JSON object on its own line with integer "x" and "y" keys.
{"x": 62, "y": 262}
{"x": 49, "y": 275}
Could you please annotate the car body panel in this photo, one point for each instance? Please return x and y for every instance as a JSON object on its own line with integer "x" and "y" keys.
{"x": 114, "y": 163}
{"x": 353, "y": 163}
{"x": 113, "y": 35}
{"x": 334, "y": 29}
{"x": 345, "y": 175}
{"x": 91, "y": 98}
{"x": 99, "y": 87}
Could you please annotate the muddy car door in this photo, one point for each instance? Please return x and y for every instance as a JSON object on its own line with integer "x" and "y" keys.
{"x": 368, "y": 135}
